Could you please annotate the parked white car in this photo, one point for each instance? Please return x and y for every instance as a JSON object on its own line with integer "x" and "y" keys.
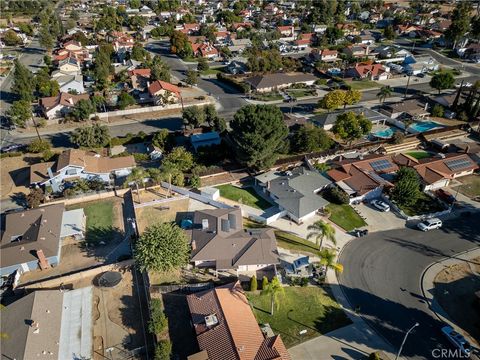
{"x": 380, "y": 205}
{"x": 458, "y": 340}
{"x": 430, "y": 224}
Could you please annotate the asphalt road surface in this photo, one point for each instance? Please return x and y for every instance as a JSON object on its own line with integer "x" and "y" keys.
{"x": 383, "y": 276}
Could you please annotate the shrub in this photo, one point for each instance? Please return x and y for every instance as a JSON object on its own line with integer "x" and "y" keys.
{"x": 374, "y": 356}
{"x": 47, "y": 155}
{"x": 158, "y": 321}
{"x": 336, "y": 195}
{"x": 398, "y": 137}
{"x": 195, "y": 181}
{"x": 253, "y": 283}
{"x": 264, "y": 282}
{"x": 35, "y": 198}
{"x": 11, "y": 154}
{"x": 304, "y": 282}
{"x": 321, "y": 82}
{"x": 38, "y": 146}
{"x": 438, "y": 110}
{"x": 139, "y": 157}
{"x": 163, "y": 350}
{"x": 42, "y": 123}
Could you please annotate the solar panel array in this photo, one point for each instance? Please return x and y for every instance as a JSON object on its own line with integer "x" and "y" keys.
{"x": 458, "y": 164}
{"x": 379, "y": 165}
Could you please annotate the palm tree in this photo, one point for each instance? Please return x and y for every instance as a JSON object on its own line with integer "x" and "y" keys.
{"x": 275, "y": 290}
{"x": 385, "y": 91}
{"x": 327, "y": 259}
{"x": 321, "y": 230}
{"x": 137, "y": 176}
{"x": 167, "y": 172}
{"x": 321, "y": 167}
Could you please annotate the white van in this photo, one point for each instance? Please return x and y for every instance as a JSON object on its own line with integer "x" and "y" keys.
{"x": 430, "y": 224}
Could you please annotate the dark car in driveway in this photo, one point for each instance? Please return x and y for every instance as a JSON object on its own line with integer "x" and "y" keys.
{"x": 12, "y": 147}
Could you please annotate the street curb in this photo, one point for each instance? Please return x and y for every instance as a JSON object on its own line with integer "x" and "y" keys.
{"x": 426, "y": 285}
{"x": 359, "y": 316}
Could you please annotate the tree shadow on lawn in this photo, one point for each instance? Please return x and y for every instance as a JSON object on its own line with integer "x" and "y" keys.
{"x": 100, "y": 242}
{"x": 20, "y": 199}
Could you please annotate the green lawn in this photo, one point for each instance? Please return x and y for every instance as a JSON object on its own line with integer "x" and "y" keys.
{"x": 424, "y": 205}
{"x": 247, "y": 196}
{"x": 295, "y": 243}
{"x": 470, "y": 185}
{"x": 299, "y": 93}
{"x": 210, "y": 72}
{"x": 345, "y": 217}
{"x": 419, "y": 154}
{"x": 302, "y": 308}
{"x": 362, "y": 84}
{"x": 99, "y": 220}
{"x": 268, "y": 97}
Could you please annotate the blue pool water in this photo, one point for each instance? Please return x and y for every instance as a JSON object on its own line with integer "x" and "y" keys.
{"x": 423, "y": 126}
{"x": 384, "y": 133}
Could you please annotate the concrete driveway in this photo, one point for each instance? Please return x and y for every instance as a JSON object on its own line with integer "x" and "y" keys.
{"x": 378, "y": 220}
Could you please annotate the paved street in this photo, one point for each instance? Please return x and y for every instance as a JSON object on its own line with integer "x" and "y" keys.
{"x": 383, "y": 274}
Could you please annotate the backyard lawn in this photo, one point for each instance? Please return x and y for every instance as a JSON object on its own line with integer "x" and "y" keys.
{"x": 362, "y": 84}
{"x": 419, "y": 154}
{"x": 302, "y": 308}
{"x": 345, "y": 217}
{"x": 100, "y": 216}
{"x": 247, "y": 196}
{"x": 470, "y": 185}
{"x": 424, "y": 205}
{"x": 295, "y": 243}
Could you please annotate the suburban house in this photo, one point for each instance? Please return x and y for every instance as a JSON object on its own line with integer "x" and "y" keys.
{"x": 359, "y": 51}
{"x": 70, "y": 66}
{"x": 295, "y": 192}
{"x": 71, "y": 83}
{"x": 73, "y": 164}
{"x": 58, "y": 106}
{"x": 238, "y": 46}
{"x": 140, "y": 78}
{"x": 286, "y": 31}
{"x": 437, "y": 172}
{"x": 348, "y": 29}
{"x": 413, "y": 107}
{"x": 205, "y": 139}
{"x": 364, "y": 178}
{"x": 420, "y": 64}
{"x": 327, "y": 120}
{"x": 328, "y": 55}
{"x": 369, "y": 71}
{"x": 32, "y": 239}
{"x": 226, "y": 327}
{"x": 49, "y": 324}
{"x": 163, "y": 92}
{"x": 219, "y": 241}
{"x": 122, "y": 42}
{"x": 270, "y": 82}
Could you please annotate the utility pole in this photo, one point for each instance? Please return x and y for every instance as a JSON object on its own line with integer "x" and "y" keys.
{"x": 36, "y": 128}
{"x": 406, "y": 89}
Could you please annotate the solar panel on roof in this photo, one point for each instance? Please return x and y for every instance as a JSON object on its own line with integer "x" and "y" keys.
{"x": 457, "y": 164}
{"x": 380, "y": 165}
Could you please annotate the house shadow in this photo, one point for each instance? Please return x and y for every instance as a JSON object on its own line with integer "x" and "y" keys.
{"x": 105, "y": 244}
{"x": 20, "y": 177}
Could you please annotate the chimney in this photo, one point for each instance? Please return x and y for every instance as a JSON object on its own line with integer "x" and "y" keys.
{"x": 225, "y": 224}
{"x": 426, "y": 106}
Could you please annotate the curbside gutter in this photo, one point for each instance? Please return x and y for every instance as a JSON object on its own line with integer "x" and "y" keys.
{"x": 427, "y": 284}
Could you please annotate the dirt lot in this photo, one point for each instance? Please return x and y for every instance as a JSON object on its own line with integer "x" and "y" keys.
{"x": 172, "y": 210}
{"x": 470, "y": 185}
{"x": 15, "y": 175}
{"x": 76, "y": 256}
{"x": 455, "y": 289}
{"x": 117, "y": 324}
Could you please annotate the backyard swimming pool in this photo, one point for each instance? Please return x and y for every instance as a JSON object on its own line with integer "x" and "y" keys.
{"x": 385, "y": 133}
{"x": 422, "y": 126}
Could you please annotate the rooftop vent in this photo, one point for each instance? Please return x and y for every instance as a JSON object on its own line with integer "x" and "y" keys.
{"x": 211, "y": 320}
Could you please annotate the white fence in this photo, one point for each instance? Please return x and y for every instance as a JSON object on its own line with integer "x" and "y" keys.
{"x": 160, "y": 201}
{"x": 416, "y": 217}
{"x": 196, "y": 196}
{"x": 147, "y": 109}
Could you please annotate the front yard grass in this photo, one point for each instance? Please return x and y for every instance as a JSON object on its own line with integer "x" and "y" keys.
{"x": 363, "y": 84}
{"x": 296, "y": 244}
{"x": 424, "y": 205}
{"x": 470, "y": 185}
{"x": 210, "y": 71}
{"x": 419, "y": 154}
{"x": 99, "y": 220}
{"x": 302, "y": 308}
{"x": 345, "y": 217}
{"x": 299, "y": 93}
{"x": 247, "y": 196}
{"x": 268, "y": 97}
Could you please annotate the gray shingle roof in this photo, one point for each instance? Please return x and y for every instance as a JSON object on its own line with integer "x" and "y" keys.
{"x": 297, "y": 193}
{"x": 330, "y": 118}
{"x": 278, "y": 79}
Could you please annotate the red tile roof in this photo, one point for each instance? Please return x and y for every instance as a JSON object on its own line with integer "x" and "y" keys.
{"x": 158, "y": 85}
{"x": 140, "y": 72}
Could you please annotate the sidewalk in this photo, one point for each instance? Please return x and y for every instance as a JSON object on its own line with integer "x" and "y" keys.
{"x": 427, "y": 284}
{"x": 355, "y": 341}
